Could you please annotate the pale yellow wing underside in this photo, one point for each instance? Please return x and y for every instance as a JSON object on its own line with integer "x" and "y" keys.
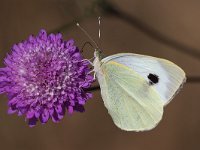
{"x": 171, "y": 76}
{"x": 131, "y": 102}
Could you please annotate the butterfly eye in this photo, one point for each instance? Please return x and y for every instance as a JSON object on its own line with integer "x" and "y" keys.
{"x": 100, "y": 51}
{"x": 153, "y": 79}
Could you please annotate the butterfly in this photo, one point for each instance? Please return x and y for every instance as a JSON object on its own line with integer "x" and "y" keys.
{"x": 135, "y": 88}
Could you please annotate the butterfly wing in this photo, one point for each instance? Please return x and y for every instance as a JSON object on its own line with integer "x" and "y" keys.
{"x": 171, "y": 77}
{"x": 131, "y": 102}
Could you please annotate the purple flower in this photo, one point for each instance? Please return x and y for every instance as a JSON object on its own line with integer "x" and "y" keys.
{"x": 43, "y": 77}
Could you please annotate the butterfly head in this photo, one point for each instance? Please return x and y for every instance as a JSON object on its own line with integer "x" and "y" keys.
{"x": 98, "y": 54}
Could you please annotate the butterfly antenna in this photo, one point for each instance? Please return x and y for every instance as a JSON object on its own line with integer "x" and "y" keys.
{"x": 85, "y": 45}
{"x": 86, "y": 33}
{"x": 99, "y": 31}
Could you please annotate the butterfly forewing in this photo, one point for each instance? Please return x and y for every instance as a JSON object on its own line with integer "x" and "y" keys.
{"x": 165, "y": 76}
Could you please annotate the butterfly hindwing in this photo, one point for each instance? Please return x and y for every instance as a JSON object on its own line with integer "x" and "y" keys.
{"x": 131, "y": 102}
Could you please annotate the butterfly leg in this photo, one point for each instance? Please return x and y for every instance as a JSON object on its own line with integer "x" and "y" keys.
{"x": 94, "y": 75}
{"x": 89, "y": 60}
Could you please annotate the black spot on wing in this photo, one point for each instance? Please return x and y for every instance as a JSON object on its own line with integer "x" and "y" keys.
{"x": 153, "y": 79}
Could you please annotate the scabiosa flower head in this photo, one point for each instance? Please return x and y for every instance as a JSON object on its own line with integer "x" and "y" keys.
{"x": 45, "y": 76}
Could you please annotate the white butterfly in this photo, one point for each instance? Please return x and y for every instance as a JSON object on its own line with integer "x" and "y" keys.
{"x": 135, "y": 88}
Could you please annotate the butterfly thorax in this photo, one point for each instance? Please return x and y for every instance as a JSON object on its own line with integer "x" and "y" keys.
{"x": 97, "y": 61}
{"x": 98, "y": 68}
{"x": 97, "y": 64}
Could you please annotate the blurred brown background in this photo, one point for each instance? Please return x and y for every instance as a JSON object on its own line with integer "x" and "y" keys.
{"x": 178, "y": 20}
